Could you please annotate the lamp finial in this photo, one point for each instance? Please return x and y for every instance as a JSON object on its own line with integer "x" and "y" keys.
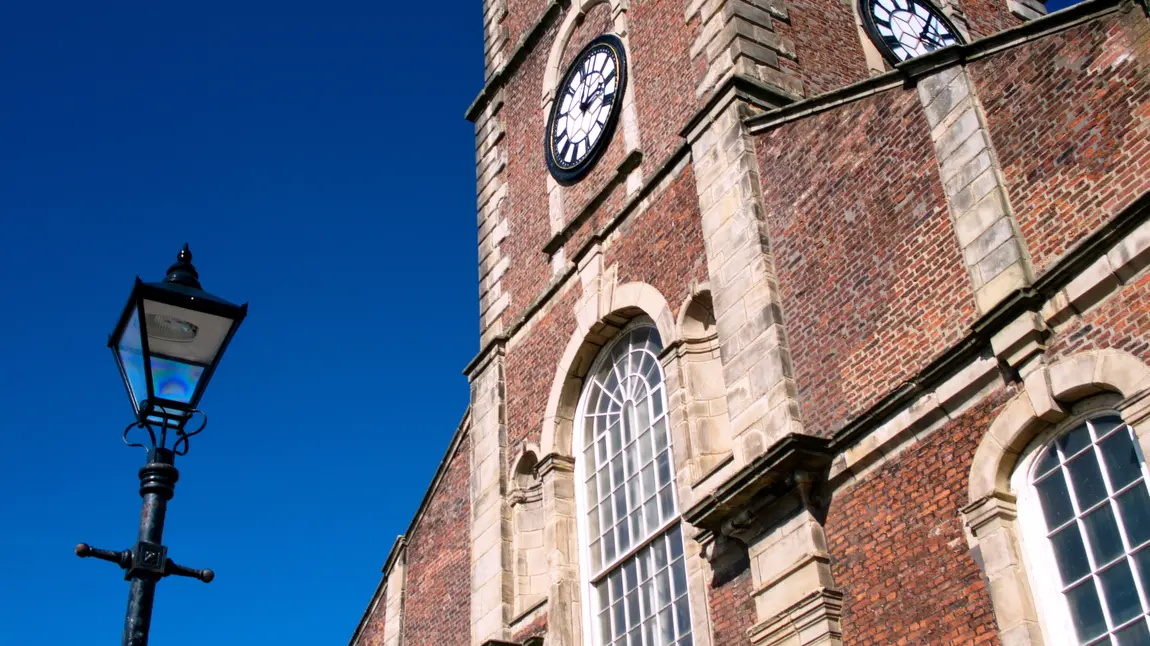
{"x": 182, "y": 272}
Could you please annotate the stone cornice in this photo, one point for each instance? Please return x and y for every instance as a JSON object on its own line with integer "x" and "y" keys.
{"x": 770, "y": 471}
{"x": 907, "y": 74}
{"x": 495, "y": 347}
{"x": 736, "y": 86}
{"x": 526, "y": 43}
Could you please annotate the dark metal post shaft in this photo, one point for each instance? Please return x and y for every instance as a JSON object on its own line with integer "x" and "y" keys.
{"x": 157, "y": 486}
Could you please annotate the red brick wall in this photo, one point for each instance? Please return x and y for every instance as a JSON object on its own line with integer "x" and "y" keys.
{"x": 897, "y": 546}
{"x": 873, "y": 282}
{"x": 526, "y": 176}
{"x": 827, "y": 44}
{"x": 732, "y": 608}
{"x": 986, "y": 17}
{"x": 663, "y": 246}
{"x": 372, "y": 633}
{"x": 662, "y": 73}
{"x": 521, "y": 16}
{"x": 1070, "y": 120}
{"x": 530, "y": 370}
{"x": 437, "y": 603}
{"x": 1122, "y": 322}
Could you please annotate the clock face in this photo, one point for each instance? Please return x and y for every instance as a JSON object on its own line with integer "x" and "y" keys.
{"x": 586, "y": 108}
{"x": 904, "y": 29}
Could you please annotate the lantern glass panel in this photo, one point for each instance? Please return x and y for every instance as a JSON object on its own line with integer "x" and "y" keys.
{"x": 175, "y": 380}
{"x": 184, "y": 335}
{"x": 131, "y": 356}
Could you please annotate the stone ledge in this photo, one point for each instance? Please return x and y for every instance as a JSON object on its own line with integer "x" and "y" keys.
{"x": 629, "y": 163}
{"x": 771, "y": 472}
{"x": 813, "y": 618}
{"x": 909, "y": 72}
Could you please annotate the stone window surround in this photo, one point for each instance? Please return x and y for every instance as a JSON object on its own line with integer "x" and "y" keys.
{"x": 1045, "y": 402}
{"x": 1035, "y": 550}
{"x": 602, "y": 312}
{"x": 587, "y": 585}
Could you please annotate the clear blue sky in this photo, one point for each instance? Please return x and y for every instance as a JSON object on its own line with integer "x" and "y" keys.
{"x": 316, "y": 157}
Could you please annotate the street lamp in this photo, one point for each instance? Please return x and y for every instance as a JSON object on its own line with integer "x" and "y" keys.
{"x": 167, "y": 344}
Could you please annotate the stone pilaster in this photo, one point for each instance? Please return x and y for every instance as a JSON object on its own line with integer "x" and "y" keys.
{"x": 561, "y": 542}
{"x": 491, "y": 188}
{"x": 492, "y": 581}
{"x": 795, "y": 597}
{"x": 394, "y": 590}
{"x": 494, "y": 36}
{"x": 756, "y": 363}
{"x": 992, "y": 247}
{"x": 990, "y": 523}
{"x": 739, "y": 37}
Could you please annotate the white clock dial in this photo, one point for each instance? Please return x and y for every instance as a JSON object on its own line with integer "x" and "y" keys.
{"x": 908, "y": 28}
{"x": 586, "y": 107}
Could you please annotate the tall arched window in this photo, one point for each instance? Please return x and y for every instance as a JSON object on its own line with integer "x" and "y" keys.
{"x": 634, "y": 573}
{"x": 1085, "y": 513}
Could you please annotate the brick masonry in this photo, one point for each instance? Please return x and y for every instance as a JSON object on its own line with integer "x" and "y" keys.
{"x": 1070, "y": 119}
{"x": 864, "y": 310}
{"x": 898, "y": 549}
{"x": 436, "y": 608}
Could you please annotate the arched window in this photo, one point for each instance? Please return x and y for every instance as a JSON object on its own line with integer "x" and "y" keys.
{"x": 1084, "y": 507}
{"x": 634, "y": 573}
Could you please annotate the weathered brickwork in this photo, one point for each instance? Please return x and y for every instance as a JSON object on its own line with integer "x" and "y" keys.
{"x": 1070, "y": 119}
{"x": 1121, "y": 322}
{"x": 986, "y": 17}
{"x": 529, "y": 271}
{"x": 531, "y": 366}
{"x": 522, "y": 16}
{"x": 897, "y": 545}
{"x": 372, "y": 632}
{"x": 437, "y": 604}
{"x": 828, "y": 53}
{"x": 662, "y": 74}
{"x": 872, "y": 280}
{"x": 732, "y": 608}
{"x": 669, "y": 253}
{"x": 536, "y": 628}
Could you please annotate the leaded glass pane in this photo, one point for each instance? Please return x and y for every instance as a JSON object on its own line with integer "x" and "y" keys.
{"x": 637, "y": 569}
{"x": 1092, "y": 488}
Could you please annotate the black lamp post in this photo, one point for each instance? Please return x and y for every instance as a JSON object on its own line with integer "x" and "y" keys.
{"x": 167, "y": 344}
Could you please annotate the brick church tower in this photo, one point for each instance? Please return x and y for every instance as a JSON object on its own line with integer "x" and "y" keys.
{"x": 802, "y": 322}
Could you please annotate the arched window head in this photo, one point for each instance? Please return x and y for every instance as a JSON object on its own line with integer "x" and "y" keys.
{"x": 1085, "y": 514}
{"x": 634, "y": 572}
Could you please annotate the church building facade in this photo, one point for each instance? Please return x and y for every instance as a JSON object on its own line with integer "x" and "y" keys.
{"x": 802, "y": 322}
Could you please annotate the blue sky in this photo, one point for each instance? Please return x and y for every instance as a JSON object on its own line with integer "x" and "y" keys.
{"x": 316, "y": 157}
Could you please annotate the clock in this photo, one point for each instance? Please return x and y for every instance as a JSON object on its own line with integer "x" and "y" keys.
{"x": 586, "y": 109}
{"x": 903, "y": 29}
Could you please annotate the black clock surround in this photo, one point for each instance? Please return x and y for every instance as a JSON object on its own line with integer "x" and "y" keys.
{"x": 566, "y": 168}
